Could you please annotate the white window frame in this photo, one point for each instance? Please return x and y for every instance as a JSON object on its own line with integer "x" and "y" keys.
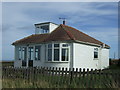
{"x": 60, "y": 52}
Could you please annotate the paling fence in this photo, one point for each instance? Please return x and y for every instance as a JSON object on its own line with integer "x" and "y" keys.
{"x": 44, "y": 77}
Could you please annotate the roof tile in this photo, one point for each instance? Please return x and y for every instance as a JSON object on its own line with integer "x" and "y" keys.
{"x": 61, "y": 33}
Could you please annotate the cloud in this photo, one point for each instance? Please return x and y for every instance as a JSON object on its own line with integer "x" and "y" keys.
{"x": 105, "y": 35}
{"x": 93, "y": 18}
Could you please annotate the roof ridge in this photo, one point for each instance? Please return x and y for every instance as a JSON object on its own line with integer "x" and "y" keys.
{"x": 69, "y": 33}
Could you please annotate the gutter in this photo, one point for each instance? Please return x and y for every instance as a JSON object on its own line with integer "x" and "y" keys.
{"x": 93, "y": 44}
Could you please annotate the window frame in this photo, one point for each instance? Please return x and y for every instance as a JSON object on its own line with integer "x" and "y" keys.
{"x": 96, "y": 51}
{"x": 58, "y": 48}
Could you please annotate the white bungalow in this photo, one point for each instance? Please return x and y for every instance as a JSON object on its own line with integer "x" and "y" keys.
{"x": 55, "y": 45}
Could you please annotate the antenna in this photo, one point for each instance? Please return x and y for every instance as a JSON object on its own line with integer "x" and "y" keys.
{"x": 63, "y": 19}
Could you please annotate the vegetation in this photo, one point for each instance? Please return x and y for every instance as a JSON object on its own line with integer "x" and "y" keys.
{"x": 44, "y": 78}
{"x": 109, "y": 78}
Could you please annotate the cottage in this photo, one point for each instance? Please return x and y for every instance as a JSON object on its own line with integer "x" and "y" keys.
{"x": 55, "y": 45}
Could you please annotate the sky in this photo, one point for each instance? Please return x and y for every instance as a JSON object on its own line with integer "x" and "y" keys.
{"x": 97, "y": 19}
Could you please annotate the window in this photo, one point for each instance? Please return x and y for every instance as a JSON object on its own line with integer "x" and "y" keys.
{"x": 49, "y": 52}
{"x": 56, "y": 52}
{"x": 37, "y": 52}
{"x": 45, "y": 28}
{"x": 65, "y": 54}
{"x": 95, "y": 53}
{"x": 19, "y": 53}
{"x": 24, "y": 53}
{"x": 31, "y": 55}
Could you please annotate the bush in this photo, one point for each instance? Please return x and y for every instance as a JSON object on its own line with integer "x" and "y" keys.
{"x": 110, "y": 63}
{"x": 119, "y": 63}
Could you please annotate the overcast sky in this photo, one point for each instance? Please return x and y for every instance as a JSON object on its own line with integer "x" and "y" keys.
{"x": 99, "y": 20}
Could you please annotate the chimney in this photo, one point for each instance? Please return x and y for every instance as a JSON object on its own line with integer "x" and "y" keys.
{"x": 63, "y": 19}
{"x": 63, "y": 22}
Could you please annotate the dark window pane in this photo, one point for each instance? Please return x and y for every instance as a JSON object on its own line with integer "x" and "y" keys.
{"x": 49, "y": 54}
{"x": 49, "y": 45}
{"x": 56, "y": 54}
{"x": 24, "y": 63}
{"x": 95, "y": 54}
{"x": 56, "y": 45}
{"x": 65, "y": 53}
{"x": 65, "y": 45}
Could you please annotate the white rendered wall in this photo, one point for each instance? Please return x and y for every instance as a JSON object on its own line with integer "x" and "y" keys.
{"x": 81, "y": 56}
{"x": 104, "y": 58}
{"x": 52, "y": 27}
{"x": 84, "y": 57}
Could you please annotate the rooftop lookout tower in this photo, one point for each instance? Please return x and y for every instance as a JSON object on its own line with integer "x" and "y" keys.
{"x": 47, "y": 27}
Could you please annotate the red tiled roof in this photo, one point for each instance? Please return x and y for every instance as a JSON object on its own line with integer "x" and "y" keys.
{"x": 35, "y": 38}
{"x": 62, "y": 33}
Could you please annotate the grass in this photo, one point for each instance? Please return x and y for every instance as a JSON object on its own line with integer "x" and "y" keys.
{"x": 46, "y": 81}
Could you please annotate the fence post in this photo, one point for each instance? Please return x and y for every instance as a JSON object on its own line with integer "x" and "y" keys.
{"x": 87, "y": 75}
{"x": 71, "y": 76}
{"x": 59, "y": 76}
{"x": 66, "y": 78}
{"x": 62, "y": 76}
{"x": 76, "y": 78}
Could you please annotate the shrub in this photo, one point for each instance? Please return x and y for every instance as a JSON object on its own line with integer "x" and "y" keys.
{"x": 119, "y": 63}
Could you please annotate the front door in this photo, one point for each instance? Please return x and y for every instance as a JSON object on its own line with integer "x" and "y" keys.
{"x": 30, "y": 56}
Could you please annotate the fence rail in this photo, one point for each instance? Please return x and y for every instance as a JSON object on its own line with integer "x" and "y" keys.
{"x": 60, "y": 77}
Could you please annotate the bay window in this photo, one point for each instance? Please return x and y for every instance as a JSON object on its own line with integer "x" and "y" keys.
{"x": 57, "y": 52}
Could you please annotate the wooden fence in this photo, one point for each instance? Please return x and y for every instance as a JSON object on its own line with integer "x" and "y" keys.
{"x": 44, "y": 77}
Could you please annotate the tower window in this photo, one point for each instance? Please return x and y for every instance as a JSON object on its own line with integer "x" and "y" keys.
{"x": 45, "y": 29}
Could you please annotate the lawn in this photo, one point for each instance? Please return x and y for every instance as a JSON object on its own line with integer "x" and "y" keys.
{"x": 109, "y": 78}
